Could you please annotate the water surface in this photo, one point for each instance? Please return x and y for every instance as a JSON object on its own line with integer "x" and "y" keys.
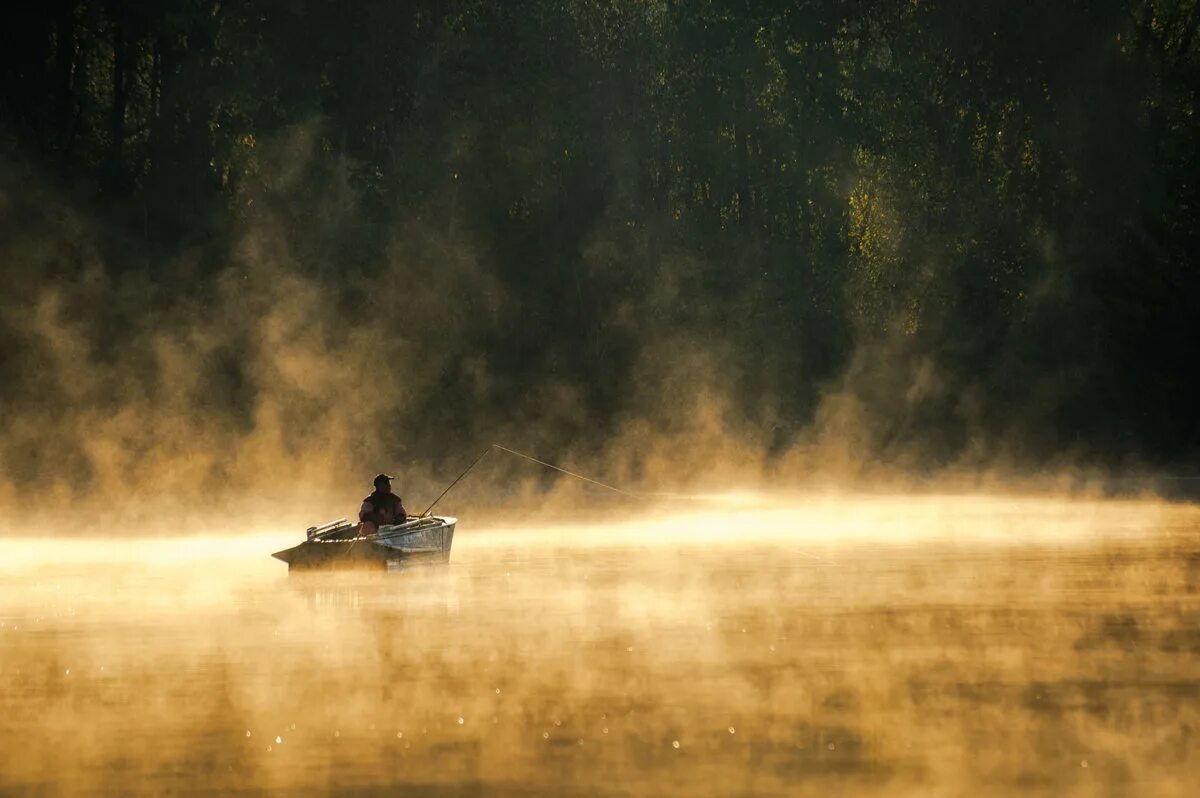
{"x": 855, "y": 646}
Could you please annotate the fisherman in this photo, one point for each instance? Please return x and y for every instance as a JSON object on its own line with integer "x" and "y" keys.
{"x": 381, "y": 508}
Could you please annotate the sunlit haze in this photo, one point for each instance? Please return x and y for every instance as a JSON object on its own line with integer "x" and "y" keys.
{"x": 552, "y": 398}
{"x": 878, "y": 645}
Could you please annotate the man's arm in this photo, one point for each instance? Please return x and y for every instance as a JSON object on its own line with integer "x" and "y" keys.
{"x": 368, "y": 523}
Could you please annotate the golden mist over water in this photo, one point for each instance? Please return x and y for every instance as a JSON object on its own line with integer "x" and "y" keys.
{"x": 755, "y": 644}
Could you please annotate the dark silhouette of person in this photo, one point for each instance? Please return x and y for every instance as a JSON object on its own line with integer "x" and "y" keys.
{"x": 382, "y": 507}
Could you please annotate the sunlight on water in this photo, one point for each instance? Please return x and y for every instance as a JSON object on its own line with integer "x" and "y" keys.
{"x": 761, "y": 645}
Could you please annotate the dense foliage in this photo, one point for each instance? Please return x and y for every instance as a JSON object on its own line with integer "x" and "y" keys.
{"x": 980, "y": 219}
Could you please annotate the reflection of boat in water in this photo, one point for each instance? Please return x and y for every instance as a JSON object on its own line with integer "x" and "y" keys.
{"x": 338, "y": 544}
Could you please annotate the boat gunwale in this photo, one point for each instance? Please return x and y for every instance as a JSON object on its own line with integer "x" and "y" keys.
{"x": 394, "y": 530}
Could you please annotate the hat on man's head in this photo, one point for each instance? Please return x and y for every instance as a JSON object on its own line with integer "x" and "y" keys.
{"x": 380, "y": 479}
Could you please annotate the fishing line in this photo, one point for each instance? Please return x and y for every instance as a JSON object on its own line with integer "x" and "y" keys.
{"x": 532, "y": 459}
{"x": 565, "y": 471}
{"x": 614, "y": 489}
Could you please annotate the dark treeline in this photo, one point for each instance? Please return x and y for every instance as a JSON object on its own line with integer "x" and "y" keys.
{"x": 980, "y": 219}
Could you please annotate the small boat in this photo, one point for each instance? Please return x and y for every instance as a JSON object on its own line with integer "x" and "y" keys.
{"x": 338, "y": 544}
{"x": 423, "y": 538}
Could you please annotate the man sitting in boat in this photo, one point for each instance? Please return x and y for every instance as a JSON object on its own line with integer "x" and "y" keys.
{"x": 381, "y": 508}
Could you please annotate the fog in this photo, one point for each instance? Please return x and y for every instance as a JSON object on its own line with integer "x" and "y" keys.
{"x": 856, "y": 645}
{"x": 245, "y": 380}
{"x": 876, "y": 315}
{"x": 837, "y": 614}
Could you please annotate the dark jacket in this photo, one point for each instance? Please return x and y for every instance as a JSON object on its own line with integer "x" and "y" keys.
{"x": 382, "y": 508}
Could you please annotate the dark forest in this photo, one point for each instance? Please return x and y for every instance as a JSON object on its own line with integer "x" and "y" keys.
{"x": 975, "y": 223}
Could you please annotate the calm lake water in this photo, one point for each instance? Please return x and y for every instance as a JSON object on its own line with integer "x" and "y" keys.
{"x": 837, "y": 646}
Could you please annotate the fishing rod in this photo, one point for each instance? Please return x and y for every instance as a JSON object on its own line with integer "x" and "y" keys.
{"x": 455, "y": 482}
{"x": 531, "y": 459}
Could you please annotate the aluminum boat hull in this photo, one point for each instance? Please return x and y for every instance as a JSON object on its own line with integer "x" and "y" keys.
{"x": 419, "y": 540}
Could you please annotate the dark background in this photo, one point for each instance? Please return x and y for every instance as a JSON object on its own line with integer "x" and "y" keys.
{"x": 977, "y": 222}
